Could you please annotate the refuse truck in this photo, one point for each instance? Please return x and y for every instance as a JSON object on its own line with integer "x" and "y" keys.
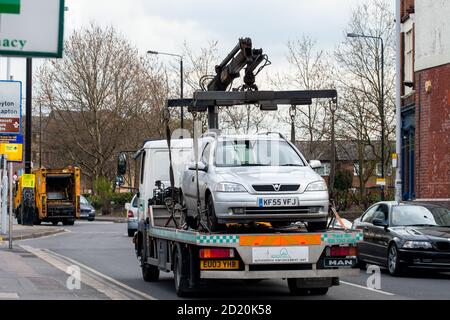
{"x": 56, "y": 196}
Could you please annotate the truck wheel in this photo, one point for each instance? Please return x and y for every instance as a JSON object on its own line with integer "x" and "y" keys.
{"x": 181, "y": 271}
{"x": 318, "y": 291}
{"x": 150, "y": 273}
{"x": 295, "y": 290}
{"x": 316, "y": 226}
{"x": 68, "y": 222}
{"x": 36, "y": 221}
{"x": 18, "y": 215}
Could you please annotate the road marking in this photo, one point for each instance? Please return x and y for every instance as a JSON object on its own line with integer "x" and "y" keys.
{"x": 9, "y": 295}
{"x": 114, "y": 294}
{"x": 370, "y": 289}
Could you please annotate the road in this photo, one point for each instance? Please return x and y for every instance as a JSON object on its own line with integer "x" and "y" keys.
{"x": 107, "y": 259}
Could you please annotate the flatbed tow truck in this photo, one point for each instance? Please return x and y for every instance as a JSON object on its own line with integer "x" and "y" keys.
{"x": 311, "y": 262}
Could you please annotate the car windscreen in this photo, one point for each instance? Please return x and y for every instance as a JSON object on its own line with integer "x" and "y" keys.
{"x": 83, "y": 200}
{"x": 415, "y": 215}
{"x": 258, "y": 152}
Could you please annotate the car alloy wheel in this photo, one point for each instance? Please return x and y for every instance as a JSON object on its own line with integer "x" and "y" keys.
{"x": 393, "y": 260}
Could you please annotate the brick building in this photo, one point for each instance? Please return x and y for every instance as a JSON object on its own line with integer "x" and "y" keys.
{"x": 425, "y": 47}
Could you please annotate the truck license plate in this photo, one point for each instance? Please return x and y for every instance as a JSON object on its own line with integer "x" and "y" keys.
{"x": 219, "y": 264}
{"x": 277, "y": 202}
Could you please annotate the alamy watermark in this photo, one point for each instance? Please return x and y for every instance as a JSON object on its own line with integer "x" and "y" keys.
{"x": 73, "y": 282}
{"x": 374, "y": 280}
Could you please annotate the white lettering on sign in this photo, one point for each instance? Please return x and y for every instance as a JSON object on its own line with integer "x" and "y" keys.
{"x": 10, "y": 106}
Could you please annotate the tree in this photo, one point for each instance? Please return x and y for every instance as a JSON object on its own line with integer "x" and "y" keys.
{"x": 311, "y": 70}
{"x": 98, "y": 94}
{"x": 358, "y": 77}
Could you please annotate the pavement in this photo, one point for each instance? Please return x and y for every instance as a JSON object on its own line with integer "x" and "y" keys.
{"x": 24, "y": 276}
{"x": 105, "y": 255}
{"x": 21, "y": 232}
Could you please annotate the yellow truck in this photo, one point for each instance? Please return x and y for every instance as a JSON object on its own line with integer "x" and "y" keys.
{"x": 56, "y": 196}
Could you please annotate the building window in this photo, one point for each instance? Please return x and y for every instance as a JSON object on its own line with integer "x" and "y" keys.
{"x": 378, "y": 169}
{"x": 356, "y": 169}
{"x": 324, "y": 170}
{"x": 409, "y": 70}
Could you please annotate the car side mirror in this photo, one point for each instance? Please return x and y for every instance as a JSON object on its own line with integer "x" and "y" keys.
{"x": 379, "y": 223}
{"x": 201, "y": 166}
{"x": 121, "y": 164}
{"x": 315, "y": 164}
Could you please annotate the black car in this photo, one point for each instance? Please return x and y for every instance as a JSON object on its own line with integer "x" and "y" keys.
{"x": 399, "y": 235}
{"x": 87, "y": 211}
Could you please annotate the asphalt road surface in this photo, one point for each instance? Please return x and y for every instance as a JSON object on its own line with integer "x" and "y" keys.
{"x": 108, "y": 263}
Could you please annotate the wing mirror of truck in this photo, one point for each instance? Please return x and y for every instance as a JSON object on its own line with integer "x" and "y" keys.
{"x": 201, "y": 166}
{"x": 121, "y": 164}
{"x": 315, "y": 164}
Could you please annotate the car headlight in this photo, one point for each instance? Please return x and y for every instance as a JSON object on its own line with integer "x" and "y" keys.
{"x": 317, "y": 186}
{"x": 92, "y": 210}
{"x": 417, "y": 245}
{"x": 230, "y": 187}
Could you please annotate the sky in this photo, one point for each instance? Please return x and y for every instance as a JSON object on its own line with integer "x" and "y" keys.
{"x": 166, "y": 25}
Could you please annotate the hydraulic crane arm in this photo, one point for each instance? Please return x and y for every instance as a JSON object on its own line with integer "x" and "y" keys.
{"x": 242, "y": 56}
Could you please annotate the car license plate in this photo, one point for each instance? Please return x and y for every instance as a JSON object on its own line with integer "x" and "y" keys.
{"x": 277, "y": 202}
{"x": 219, "y": 264}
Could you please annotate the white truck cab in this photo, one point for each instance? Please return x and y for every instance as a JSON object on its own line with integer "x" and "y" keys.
{"x": 153, "y": 159}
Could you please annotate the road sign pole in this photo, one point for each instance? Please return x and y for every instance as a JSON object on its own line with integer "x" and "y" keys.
{"x": 11, "y": 204}
{"x": 4, "y": 196}
{"x": 28, "y": 193}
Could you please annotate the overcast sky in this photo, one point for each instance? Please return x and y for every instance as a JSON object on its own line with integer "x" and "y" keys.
{"x": 165, "y": 25}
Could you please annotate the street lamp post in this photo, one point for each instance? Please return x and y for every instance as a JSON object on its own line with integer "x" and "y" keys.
{"x": 354, "y": 35}
{"x": 181, "y": 78}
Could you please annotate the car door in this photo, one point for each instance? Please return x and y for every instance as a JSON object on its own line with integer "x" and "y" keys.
{"x": 381, "y": 235}
{"x": 134, "y": 206}
{"x": 190, "y": 183}
{"x": 202, "y": 175}
{"x": 364, "y": 225}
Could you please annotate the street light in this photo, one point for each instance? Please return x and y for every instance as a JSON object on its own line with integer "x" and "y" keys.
{"x": 181, "y": 77}
{"x": 355, "y": 35}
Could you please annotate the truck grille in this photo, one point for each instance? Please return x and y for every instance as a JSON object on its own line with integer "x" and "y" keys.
{"x": 271, "y": 187}
{"x": 282, "y": 210}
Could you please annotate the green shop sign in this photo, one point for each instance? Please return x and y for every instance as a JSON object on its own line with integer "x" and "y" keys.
{"x": 10, "y": 6}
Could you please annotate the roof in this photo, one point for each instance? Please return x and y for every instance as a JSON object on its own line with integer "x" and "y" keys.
{"x": 345, "y": 150}
{"x": 162, "y": 144}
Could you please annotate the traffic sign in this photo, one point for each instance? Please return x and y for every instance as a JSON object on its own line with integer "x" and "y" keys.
{"x": 10, "y": 6}
{"x": 381, "y": 182}
{"x": 32, "y": 28}
{"x": 10, "y": 107}
{"x": 13, "y": 151}
{"x": 11, "y": 138}
{"x": 28, "y": 180}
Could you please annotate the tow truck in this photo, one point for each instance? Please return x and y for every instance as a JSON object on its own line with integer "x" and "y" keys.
{"x": 167, "y": 241}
